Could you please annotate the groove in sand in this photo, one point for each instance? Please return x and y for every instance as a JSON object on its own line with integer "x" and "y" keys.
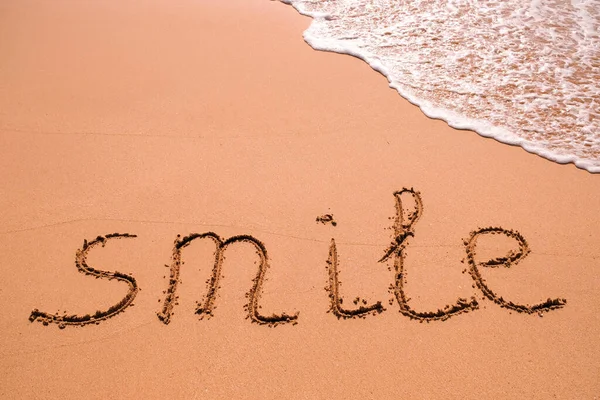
{"x": 402, "y": 231}
{"x": 82, "y": 266}
{"x": 206, "y": 308}
{"x": 333, "y": 289}
{"x": 512, "y": 258}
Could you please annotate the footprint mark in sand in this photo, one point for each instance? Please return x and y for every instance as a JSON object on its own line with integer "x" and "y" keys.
{"x": 206, "y": 308}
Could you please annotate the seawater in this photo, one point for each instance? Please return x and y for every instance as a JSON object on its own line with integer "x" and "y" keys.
{"x": 525, "y": 72}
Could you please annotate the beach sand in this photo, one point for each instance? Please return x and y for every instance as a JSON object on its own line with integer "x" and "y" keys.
{"x": 164, "y": 118}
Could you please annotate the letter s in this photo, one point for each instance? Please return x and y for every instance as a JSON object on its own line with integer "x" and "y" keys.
{"x": 82, "y": 266}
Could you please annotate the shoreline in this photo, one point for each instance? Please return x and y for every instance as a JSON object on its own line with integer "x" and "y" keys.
{"x": 458, "y": 121}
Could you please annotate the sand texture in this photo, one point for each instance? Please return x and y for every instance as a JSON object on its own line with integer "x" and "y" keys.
{"x": 196, "y": 204}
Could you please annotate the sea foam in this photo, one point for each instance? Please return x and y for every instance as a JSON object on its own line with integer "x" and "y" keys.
{"x": 525, "y": 72}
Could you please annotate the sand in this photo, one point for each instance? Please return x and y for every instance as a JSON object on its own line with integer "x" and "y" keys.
{"x": 160, "y": 119}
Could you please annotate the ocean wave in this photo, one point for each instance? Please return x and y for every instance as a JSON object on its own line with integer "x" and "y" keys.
{"x": 525, "y": 72}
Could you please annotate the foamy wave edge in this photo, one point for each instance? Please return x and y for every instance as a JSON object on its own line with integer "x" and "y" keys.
{"x": 457, "y": 121}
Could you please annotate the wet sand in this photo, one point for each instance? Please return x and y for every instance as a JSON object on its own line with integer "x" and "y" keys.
{"x": 215, "y": 118}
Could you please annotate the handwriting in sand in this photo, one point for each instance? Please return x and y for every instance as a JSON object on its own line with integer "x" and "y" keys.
{"x": 403, "y": 230}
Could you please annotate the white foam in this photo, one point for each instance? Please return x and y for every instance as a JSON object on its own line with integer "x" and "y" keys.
{"x": 525, "y": 72}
